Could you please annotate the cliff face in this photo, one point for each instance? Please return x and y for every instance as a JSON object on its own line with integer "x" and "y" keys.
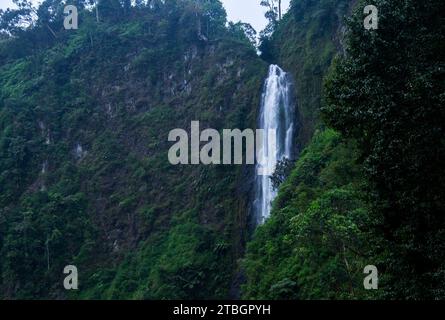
{"x": 304, "y": 44}
{"x": 85, "y": 177}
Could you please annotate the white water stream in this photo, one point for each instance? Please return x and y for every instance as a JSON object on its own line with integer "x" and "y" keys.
{"x": 277, "y": 113}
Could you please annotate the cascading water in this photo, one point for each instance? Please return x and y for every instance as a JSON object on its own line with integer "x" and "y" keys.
{"x": 277, "y": 114}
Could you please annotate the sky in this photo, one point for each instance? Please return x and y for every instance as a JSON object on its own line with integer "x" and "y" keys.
{"x": 248, "y": 11}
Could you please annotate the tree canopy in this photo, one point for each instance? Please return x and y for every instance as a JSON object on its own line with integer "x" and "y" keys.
{"x": 387, "y": 92}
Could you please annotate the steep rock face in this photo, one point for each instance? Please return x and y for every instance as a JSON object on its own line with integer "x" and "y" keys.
{"x": 85, "y": 174}
{"x": 304, "y": 44}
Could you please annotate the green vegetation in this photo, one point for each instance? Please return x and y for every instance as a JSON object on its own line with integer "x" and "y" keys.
{"x": 372, "y": 193}
{"x": 84, "y": 172}
{"x": 304, "y": 43}
{"x": 316, "y": 243}
{"x": 388, "y": 94}
{"x": 85, "y": 177}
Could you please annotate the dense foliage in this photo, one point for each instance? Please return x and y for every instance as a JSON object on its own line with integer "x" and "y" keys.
{"x": 84, "y": 172}
{"x": 387, "y": 92}
{"x": 85, "y": 177}
{"x": 373, "y": 193}
{"x": 316, "y": 243}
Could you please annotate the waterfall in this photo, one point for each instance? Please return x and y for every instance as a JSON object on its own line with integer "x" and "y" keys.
{"x": 277, "y": 113}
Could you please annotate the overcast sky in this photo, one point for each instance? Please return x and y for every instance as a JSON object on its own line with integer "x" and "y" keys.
{"x": 248, "y": 11}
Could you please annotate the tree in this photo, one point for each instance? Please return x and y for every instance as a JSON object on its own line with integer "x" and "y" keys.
{"x": 273, "y": 9}
{"x": 48, "y": 13}
{"x": 48, "y": 16}
{"x": 96, "y": 7}
{"x": 110, "y": 9}
{"x": 282, "y": 171}
{"x": 387, "y": 93}
{"x": 245, "y": 30}
{"x": 273, "y": 15}
{"x": 14, "y": 21}
{"x": 209, "y": 15}
{"x": 126, "y": 4}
